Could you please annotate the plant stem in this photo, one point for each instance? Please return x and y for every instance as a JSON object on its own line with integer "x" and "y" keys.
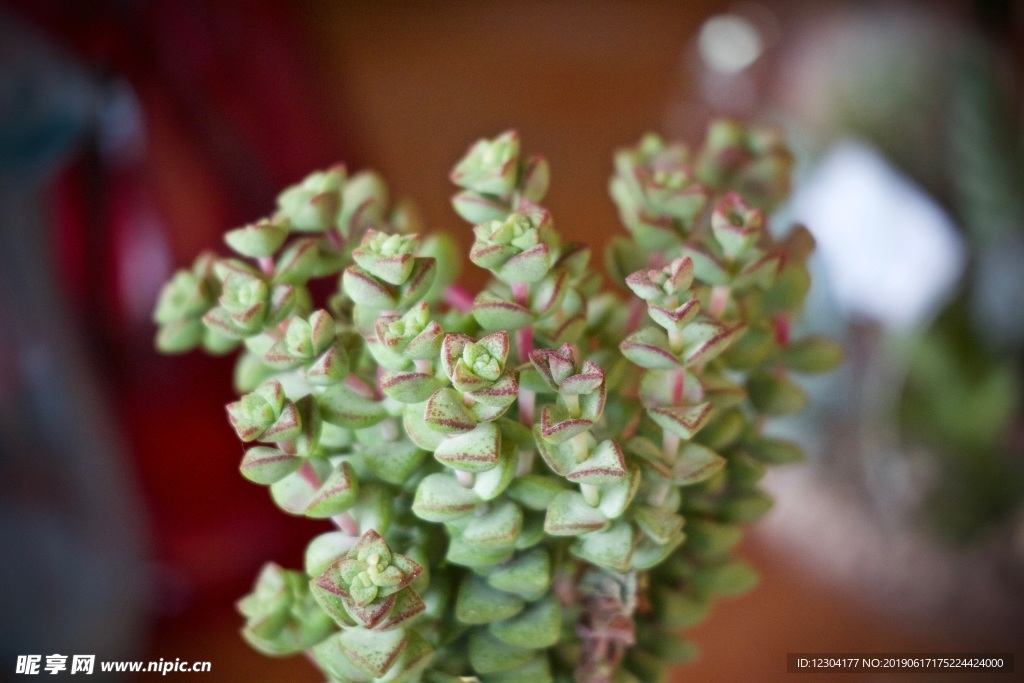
{"x": 590, "y": 494}
{"x": 346, "y": 523}
{"x": 527, "y": 401}
{"x": 343, "y": 521}
{"x": 719, "y": 300}
{"x": 636, "y": 314}
{"x": 267, "y": 265}
{"x": 670, "y": 446}
{"x": 525, "y": 461}
{"x": 467, "y": 479}
{"x": 524, "y": 336}
{"x": 458, "y": 298}
{"x": 579, "y": 447}
{"x": 572, "y": 404}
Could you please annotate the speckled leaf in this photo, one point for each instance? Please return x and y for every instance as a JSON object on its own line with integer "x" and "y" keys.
{"x": 408, "y": 605}
{"x": 706, "y": 267}
{"x": 648, "y": 347}
{"x": 674, "y": 318}
{"x": 529, "y": 266}
{"x": 337, "y": 494}
{"x": 393, "y": 461}
{"x": 478, "y": 208}
{"x": 557, "y": 426}
{"x": 496, "y": 528}
{"x": 547, "y": 295}
{"x": 440, "y": 498}
{"x": 658, "y": 523}
{"x": 373, "y": 651}
{"x": 473, "y": 451}
{"x": 468, "y": 554}
{"x": 490, "y": 484}
{"x": 611, "y": 549}
{"x": 264, "y": 465}
{"x": 343, "y": 406}
{"x": 325, "y": 550}
{"x": 417, "y": 428}
{"x": 445, "y": 412}
{"x": 533, "y": 491}
{"x": 606, "y": 465}
{"x": 366, "y": 291}
{"x": 489, "y": 655}
{"x": 704, "y": 339}
{"x": 293, "y": 492}
{"x": 648, "y": 554}
{"x": 538, "y": 626}
{"x": 616, "y": 498}
{"x": 330, "y": 367}
{"x": 559, "y": 457}
{"x": 479, "y": 603}
{"x": 569, "y": 514}
{"x": 683, "y": 421}
{"x": 695, "y": 464}
{"x": 528, "y": 574}
{"x": 537, "y": 670}
{"x": 409, "y": 387}
{"x": 501, "y": 394}
{"x": 424, "y": 271}
{"x": 494, "y": 313}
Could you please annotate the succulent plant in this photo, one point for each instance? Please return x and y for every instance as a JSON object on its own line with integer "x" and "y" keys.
{"x": 544, "y": 482}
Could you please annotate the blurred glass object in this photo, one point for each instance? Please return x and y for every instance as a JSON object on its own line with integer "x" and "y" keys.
{"x": 71, "y": 577}
{"x": 892, "y": 254}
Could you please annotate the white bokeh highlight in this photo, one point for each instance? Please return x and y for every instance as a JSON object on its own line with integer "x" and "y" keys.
{"x": 891, "y": 253}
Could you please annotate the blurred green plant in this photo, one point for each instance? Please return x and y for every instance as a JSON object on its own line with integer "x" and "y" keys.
{"x": 412, "y": 415}
{"x": 964, "y": 396}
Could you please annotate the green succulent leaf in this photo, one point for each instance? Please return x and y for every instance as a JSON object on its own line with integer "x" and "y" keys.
{"x": 440, "y": 498}
{"x": 479, "y": 603}
{"x": 538, "y": 626}
{"x": 569, "y": 514}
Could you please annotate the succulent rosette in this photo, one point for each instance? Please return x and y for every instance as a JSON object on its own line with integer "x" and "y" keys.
{"x": 751, "y": 160}
{"x": 183, "y": 303}
{"x": 281, "y": 616}
{"x": 517, "y": 249}
{"x": 477, "y": 368}
{"x": 657, "y": 194}
{"x": 313, "y": 205}
{"x": 490, "y": 166}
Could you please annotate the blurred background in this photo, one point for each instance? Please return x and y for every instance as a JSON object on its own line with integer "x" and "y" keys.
{"x": 133, "y": 133}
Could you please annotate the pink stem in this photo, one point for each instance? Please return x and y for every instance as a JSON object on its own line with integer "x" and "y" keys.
{"x": 781, "y": 329}
{"x": 678, "y": 385}
{"x": 343, "y": 521}
{"x": 346, "y": 523}
{"x": 267, "y": 265}
{"x": 362, "y": 387}
{"x": 636, "y": 314}
{"x": 310, "y": 476}
{"x": 719, "y": 298}
{"x": 335, "y": 239}
{"x": 458, "y": 298}
{"x": 527, "y": 400}
{"x": 524, "y": 337}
